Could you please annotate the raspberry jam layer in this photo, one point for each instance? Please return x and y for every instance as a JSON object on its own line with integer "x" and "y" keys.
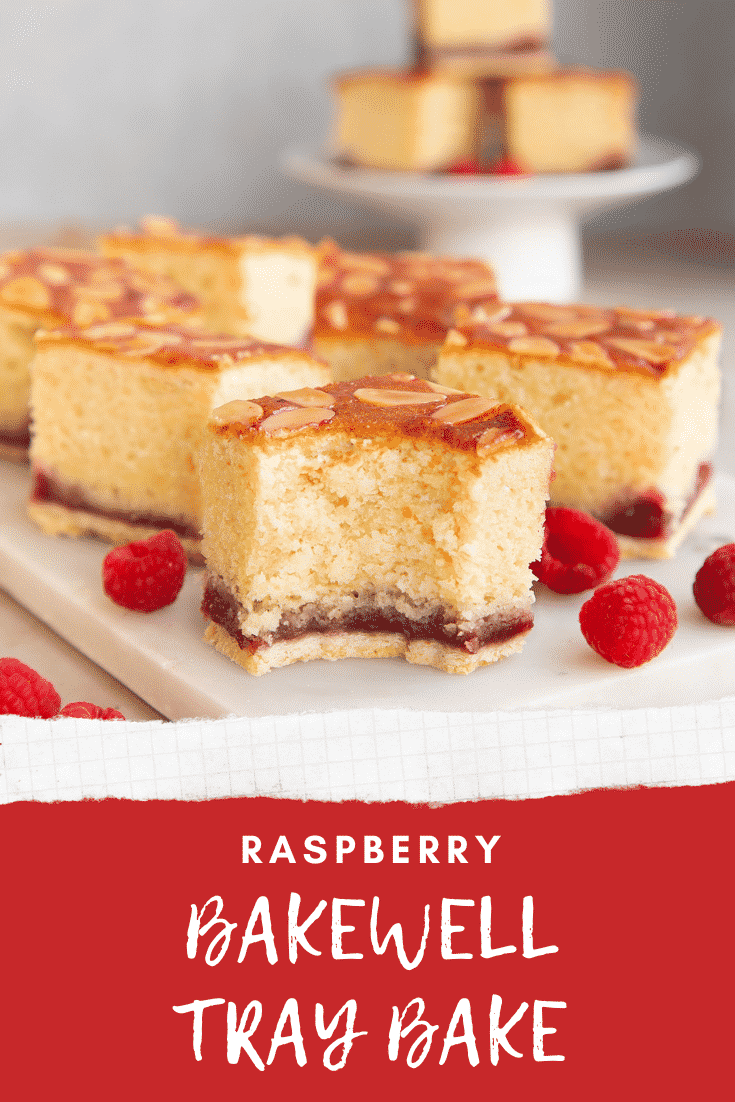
{"x": 18, "y": 438}
{"x": 46, "y": 488}
{"x": 645, "y": 517}
{"x": 220, "y": 606}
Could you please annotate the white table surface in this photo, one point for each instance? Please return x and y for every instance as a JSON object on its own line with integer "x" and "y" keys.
{"x": 615, "y": 276}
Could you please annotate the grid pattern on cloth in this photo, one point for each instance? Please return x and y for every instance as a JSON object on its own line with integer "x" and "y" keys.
{"x": 369, "y": 754}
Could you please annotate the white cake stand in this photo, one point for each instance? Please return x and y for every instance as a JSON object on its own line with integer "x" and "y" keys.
{"x": 527, "y": 227}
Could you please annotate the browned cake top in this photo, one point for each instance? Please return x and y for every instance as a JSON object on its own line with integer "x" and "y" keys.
{"x": 648, "y": 342}
{"x": 406, "y": 296}
{"x": 169, "y": 345}
{"x": 417, "y": 75}
{"x": 84, "y": 288}
{"x": 580, "y": 75}
{"x": 380, "y": 406}
{"x": 157, "y": 232}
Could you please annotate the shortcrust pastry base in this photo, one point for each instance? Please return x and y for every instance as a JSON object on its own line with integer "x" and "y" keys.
{"x": 360, "y": 644}
{"x": 636, "y": 548}
{"x": 57, "y": 520}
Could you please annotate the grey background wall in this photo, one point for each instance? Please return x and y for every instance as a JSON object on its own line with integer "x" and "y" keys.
{"x": 111, "y": 109}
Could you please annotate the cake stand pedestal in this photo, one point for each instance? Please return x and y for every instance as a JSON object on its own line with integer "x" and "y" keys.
{"x": 528, "y": 227}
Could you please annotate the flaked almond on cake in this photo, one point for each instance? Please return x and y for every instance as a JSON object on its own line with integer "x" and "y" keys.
{"x": 250, "y": 285}
{"x": 43, "y": 288}
{"x": 118, "y": 412}
{"x": 629, "y": 396}
{"x": 386, "y": 516}
{"x": 378, "y": 313}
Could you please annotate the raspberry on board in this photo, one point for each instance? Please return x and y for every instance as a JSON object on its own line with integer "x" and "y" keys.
{"x": 145, "y": 575}
{"x": 578, "y": 553}
{"x": 467, "y": 167}
{"x": 506, "y": 166}
{"x": 629, "y": 621}
{"x": 714, "y": 586}
{"x": 23, "y": 692}
{"x": 82, "y": 709}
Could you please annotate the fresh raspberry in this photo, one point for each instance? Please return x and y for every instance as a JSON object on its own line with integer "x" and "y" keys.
{"x": 506, "y": 167}
{"x": 629, "y": 621}
{"x": 82, "y": 709}
{"x": 714, "y": 586}
{"x": 578, "y": 552}
{"x": 23, "y": 692}
{"x": 147, "y": 574}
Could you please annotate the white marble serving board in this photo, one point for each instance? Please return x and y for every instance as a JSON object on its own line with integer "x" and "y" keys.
{"x": 162, "y": 657}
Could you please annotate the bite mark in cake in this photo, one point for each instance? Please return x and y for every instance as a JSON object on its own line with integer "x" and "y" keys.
{"x": 399, "y": 517}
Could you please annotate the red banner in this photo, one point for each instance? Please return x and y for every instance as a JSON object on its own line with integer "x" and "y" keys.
{"x": 574, "y": 947}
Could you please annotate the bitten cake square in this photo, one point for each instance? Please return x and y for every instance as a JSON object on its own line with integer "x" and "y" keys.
{"x": 118, "y": 412}
{"x": 408, "y": 120}
{"x": 569, "y": 120}
{"x": 42, "y": 288}
{"x": 386, "y": 516}
{"x": 490, "y": 39}
{"x": 378, "y": 313}
{"x": 251, "y": 285}
{"x": 629, "y": 396}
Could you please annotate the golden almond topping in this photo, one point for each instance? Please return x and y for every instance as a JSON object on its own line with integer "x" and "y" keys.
{"x": 236, "y": 412}
{"x": 497, "y": 435}
{"x": 494, "y": 312}
{"x": 476, "y": 288}
{"x": 115, "y": 330}
{"x": 387, "y": 398}
{"x": 324, "y": 278}
{"x": 218, "y": 344}
{"x": 295, "y": 419}
{"x": 359, "y": 283}
{"x": 641, "y": 325}
{"x": 589, "y": 352}
{"x": 439, "y": 388}
{"x": 145, "y": 346}
{"x": 53, "y": 274}
{"x": 545, "y": 311}
{"x": 26, "y": 291}
{"x": 467, "y": 409}
{"x": 508, "y": 329}
{"x": 336, "y": 315}
{"x": 87, "y": 312}
{"x": 401, "y": 287}
{"x": 105, "y": 292}
{"x": 534, "y": 346}
{"x": 364, "y": 263}
{"x": 454, "y": 337}
{"x": 387, "y": 325}
{"x": 307, "y": 397}
{"x": 647, "y": 350}
{"x": 581, "y": 328}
